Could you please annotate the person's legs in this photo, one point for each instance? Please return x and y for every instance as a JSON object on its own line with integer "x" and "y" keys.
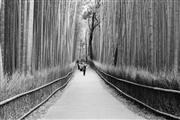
{"x": 84, "y": 70}
{"x": 77, "y": 63}
{"x": 78, "y": 67}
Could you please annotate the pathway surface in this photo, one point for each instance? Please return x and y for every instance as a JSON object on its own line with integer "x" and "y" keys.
{"x": 85, "y": 98}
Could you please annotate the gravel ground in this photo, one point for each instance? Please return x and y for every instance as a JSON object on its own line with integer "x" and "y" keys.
{"x": 132, "y": 106}
{"x": 41, "y": 111}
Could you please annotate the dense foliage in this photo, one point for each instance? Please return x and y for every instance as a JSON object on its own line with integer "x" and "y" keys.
{"x": 37, "y": 34}
{"x": 140, "y": 33}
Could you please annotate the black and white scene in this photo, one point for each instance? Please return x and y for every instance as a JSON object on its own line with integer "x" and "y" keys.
{"x": 90, "y": 59}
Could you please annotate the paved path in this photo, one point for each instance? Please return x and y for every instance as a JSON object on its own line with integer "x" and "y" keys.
{"x": 86, "y": 97}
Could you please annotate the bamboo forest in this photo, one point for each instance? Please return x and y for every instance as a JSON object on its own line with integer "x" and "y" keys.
{"x": 58, "y": 51}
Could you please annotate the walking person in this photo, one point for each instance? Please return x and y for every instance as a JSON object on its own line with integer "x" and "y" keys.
{"x": 84, "y": 69}
{"x": 77, "y": 62}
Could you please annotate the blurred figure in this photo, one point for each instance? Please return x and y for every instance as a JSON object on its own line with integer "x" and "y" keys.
{"x": 77, "y": 62}
{"x": 81, "y": 66}
{"x": 84, "y": 69}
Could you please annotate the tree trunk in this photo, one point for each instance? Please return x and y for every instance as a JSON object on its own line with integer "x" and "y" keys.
{"x": 30, "y": 34}
{"x": 91, "y": 36}
{"x": 116, "y": 56}
{"x": 177, "y": 36}
{"x": 1, "y": 66}
{"x": 90, "y": 45}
